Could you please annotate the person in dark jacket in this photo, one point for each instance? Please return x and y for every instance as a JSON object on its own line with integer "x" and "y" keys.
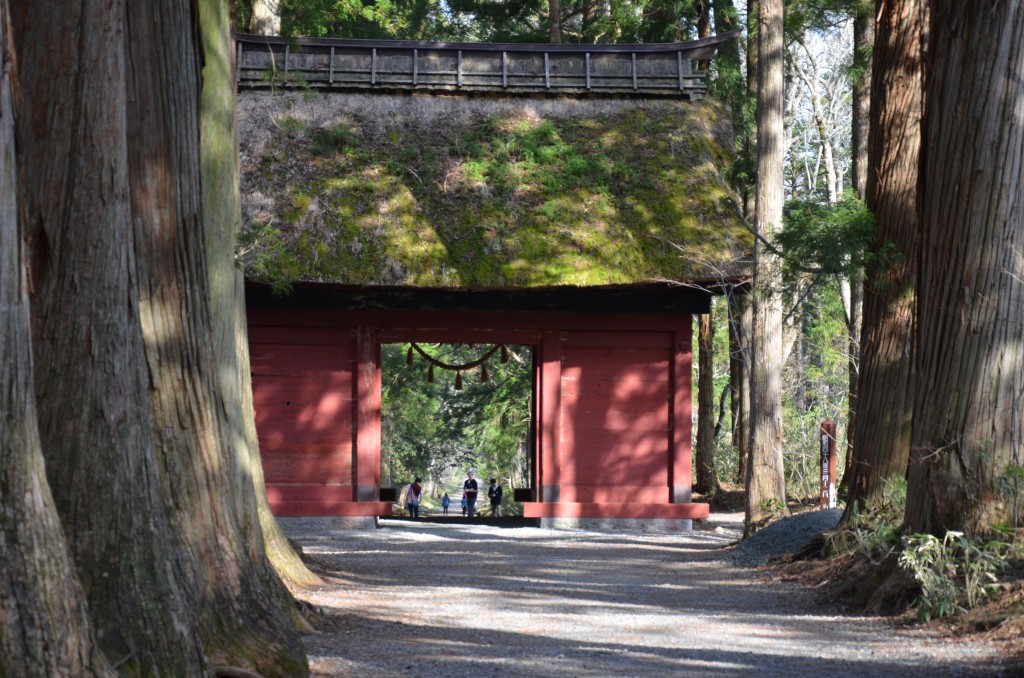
{"x": 494, "y": 493}
{"x": 470, "y": 487}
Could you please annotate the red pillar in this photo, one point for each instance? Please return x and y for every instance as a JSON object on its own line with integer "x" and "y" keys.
{"x": 549, "y": 388}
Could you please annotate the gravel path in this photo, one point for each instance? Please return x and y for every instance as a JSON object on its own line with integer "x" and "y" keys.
{"x": 419, "y": 599}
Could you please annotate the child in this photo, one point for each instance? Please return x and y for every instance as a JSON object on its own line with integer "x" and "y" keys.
{"x": 465, "y": 504}
{"x": 445, "y": 502}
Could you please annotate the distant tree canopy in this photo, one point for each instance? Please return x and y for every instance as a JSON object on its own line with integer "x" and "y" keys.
{"x": 433, "y": 430}
{"x": 580, "y": 21}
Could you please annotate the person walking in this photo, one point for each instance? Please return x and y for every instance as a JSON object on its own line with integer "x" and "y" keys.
{"x": 413, "y": 494}
{"x": 445, "y": 502}
{"x": 465, "y": 506}
{"x": 494, "y": 493}
{"x": 470, "y": 488}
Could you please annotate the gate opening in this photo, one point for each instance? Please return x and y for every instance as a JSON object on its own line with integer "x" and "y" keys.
{"x": 450, "y": 408}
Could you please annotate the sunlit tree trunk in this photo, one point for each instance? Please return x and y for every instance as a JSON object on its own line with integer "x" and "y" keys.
{"x": 740, "y": 308}
{"x": 554, "y": 22}
{"x": 243, "y": 620}
{"x": 44, "y": 624}
{"x": 222, "y": 214}
{"x": 266, "y": 17}
{"x": 765, "y": 481}
{"x": 968, "y": 428}
{"x": 90, "y": 381}
{"x": 881, "y": 443}
{"x": 863, "y": 43}
{"x": 704, "y": 460}
{"x": 750, "y": 146}
{"x": 703, "y": 9}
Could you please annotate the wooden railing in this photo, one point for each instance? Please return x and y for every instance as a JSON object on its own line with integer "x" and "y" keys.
{"x": 663, "y": 69}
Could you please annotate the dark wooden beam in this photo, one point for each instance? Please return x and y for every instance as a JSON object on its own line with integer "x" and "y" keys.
{"x": 654, "y": 298}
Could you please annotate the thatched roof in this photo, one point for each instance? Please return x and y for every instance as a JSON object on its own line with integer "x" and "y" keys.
{"x": 469, "y": 193}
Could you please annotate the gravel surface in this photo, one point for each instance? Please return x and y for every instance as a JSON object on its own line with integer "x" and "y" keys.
{"x": 782, "y": 537}
{"x": 427, "y": 599}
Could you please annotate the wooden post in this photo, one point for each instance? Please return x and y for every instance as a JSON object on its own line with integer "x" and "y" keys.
{"x": 330, "y": 76}
{"x": 828, "y": 463}
{"x": 588, "y": 70}
{"x": 415, "y": 67}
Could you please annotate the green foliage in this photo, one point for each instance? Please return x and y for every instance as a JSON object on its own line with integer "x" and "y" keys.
{"x": 480, "y": 20}
{"x": 816, "y": 386}
{"x": 956, "y": 572}
{"x": 431, "y": 430}
{"x": 1008, "y": 486}
{"x": 829, "y": 240}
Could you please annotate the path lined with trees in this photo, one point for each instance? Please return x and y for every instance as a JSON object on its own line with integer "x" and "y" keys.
{"x": 134, "y": 533}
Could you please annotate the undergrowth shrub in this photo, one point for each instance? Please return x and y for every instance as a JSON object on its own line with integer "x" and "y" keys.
{"x": 874, "y": 531}
{"x": 957, "y": 572}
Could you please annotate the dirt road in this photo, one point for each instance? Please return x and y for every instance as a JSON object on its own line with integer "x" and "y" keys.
{"x": 417, "y": 599}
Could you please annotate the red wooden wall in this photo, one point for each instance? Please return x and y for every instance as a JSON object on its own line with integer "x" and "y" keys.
{"x": 611, "y": 399}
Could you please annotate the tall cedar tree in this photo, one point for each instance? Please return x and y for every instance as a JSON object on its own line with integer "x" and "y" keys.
{"x": 143, "y": 474}
{"x": 222, "y": 214}
{"x": 863, "y": 40}
{"x": 882, "y": 432}
{"x": 765, "y": 480}
{"x": 96, "y": 436}
{"x": 244, "y": 616}
{"x": 44, "y": 624}
{"x": 967, "y": 424}
{"x": 704, "y": 459}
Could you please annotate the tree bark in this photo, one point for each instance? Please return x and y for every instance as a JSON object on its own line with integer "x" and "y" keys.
{"x": 44, "y": 623}
{"x": 703, "y": 9}
{"x": 242, "y": 618}
{"x": 95, "y": 436}
{"x": 222, "y": 214}
{"x": 967, "y": 414}
{"x": 863, "y": 43}
{"x": 750, "y": 148}
{"x": 266, "y": 17}
{"x": 707, "y": 480}
{"x": 881, "y": 443}
{"x": 765, "y": 481}
{"x": 554, "y": 22}
{"x": 740, "y": 320}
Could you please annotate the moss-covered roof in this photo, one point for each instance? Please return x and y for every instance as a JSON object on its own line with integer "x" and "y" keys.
{"x": 509, "y": 200}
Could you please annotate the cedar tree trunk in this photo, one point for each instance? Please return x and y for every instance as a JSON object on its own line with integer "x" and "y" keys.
{"x": 90, "y": 378}
{"x": 266, "y": 17}
{"x": 242, "y": 617}
{"x": 863, "y": 41}
{"x": 881, "y": 443}
{"x": 765, "y": 482}
{"x": 705, "y": 457}
{"x": 740, "y": 321}
{"x": 44, "y": 623}
{"x": 970, "y": 393}
{"x": 222, "y": 216}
